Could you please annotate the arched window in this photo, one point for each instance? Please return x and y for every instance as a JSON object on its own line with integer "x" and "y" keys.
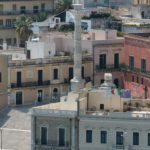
{"x": 55, "y": 90}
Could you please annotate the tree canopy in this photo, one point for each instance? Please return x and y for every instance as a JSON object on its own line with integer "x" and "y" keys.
{"x": 24, "y": 27}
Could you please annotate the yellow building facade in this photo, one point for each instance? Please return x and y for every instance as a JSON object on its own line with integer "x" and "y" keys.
{"x": 3, "y": 81}
{"x": 43, "y": 80}
{"x": 145, "y": 2}
{"x": 10, "y": 9}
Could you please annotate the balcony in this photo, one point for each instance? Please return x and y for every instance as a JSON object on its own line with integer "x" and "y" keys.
{"x": 107, "y": 68}
{"x": 53, "y": 146}
{"x": 7, "y": 27}
{"x": 28, "y": 12}
{"x": 134, "y": 70}
{"x": 30, "y": 84}
{"x": 118, "y": 147}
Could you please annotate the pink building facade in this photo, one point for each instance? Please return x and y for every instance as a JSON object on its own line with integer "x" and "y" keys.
{"x": 107, "y": 57}
{"x": 137, "y": 60}
{"x": 128, "y": 61}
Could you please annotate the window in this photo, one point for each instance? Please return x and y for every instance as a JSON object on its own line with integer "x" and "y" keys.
{"x": 0, "y": 77}
{"x": 135, "y": 138}
{"x": 119, "y": 138}
{"x": 143, "y": 65}
{"x": 142, "y": 81}
{"x": 61, "y": 137}
{"x": 131, "y": 62}
{"x": 8, "y": 22}
{"x": 116, "y": 61}
{"x": 22, "y": 9}
{"x": 1, "y": 23}
{"x": 40, "y": 77}
{"x": 13, "y": 22}
{"x": 19, "y": 81}
{"x": 116, "y": 82}
{"x": 103, "y": 137}
{"x": 8, "y": 41}
{"x": 101, "y": 106}
{"x": 35, "y": 9}
{"x": 44, "y": 135}
{"x": 28, "y": 54}
{"x": 40, "y": 96}
{"x": 55, "y": 91}
{"x": 132, "y": 78}
{"x": 15, "y": 41}
{"x": 70, "y": 73}
{"x": 148, "y": 139}
{"x": 102, "y": 61}
{"x": 102, "y": 81}
{"x": 43, "y": 7}
{"x": 88, "y": 136}
{"x": 137, "y": 79}
{"x": 1, "y": 8}
{"x": 14, "y": 7}
{"x": 1, "y": 41}
{"x": 55, "y": 74}
{"x": 82, "y": 72}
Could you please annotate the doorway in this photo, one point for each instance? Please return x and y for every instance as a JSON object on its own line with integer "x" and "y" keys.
{"x": 19, "y": 98}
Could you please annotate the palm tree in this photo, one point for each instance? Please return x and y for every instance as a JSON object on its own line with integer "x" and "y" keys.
{"x": 23, "y": 28}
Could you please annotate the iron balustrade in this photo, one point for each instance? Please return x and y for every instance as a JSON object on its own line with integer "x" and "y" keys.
{"x": 107, "y": 68}
{"x": 30, "y": 84}
{"x": 24, "y": 12}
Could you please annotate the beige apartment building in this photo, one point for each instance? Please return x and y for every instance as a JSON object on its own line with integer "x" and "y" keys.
{"x": 10, "y": 9}
{"x": 43, "y": 80}
{"x": 3, "y": 81}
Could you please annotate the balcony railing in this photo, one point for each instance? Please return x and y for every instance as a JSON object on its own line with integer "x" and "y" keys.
{"x": 30, "y": 84}
{"x": 133, "y": 69}
{"x": 7, "y": 27}
{"x": 54, "y": 146}
{"x": 118, "y": 147}
{"x": 24, "y": 12}
{"x": 107, "y": 68}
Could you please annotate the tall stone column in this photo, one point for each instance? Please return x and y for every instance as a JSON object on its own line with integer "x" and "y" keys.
{"x": 33, "y": 132}
{"x": 77, "y": 82}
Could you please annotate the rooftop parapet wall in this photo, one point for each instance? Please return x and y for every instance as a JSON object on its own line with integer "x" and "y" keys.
{"x": 135, "y": 115}
{"x": 60, "y": 59}
{"x": 133, "y": 39}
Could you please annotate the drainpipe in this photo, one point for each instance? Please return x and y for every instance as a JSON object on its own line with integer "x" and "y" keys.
{"x": 93, "y": 64}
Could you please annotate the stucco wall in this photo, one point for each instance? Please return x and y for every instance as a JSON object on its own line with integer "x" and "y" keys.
{"x": 111, "y": 126}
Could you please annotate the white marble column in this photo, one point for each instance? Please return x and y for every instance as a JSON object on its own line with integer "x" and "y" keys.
{"x": 33, "y": 132}
{"x": 73, "y": 135}
{"x": 77, "y": 82}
